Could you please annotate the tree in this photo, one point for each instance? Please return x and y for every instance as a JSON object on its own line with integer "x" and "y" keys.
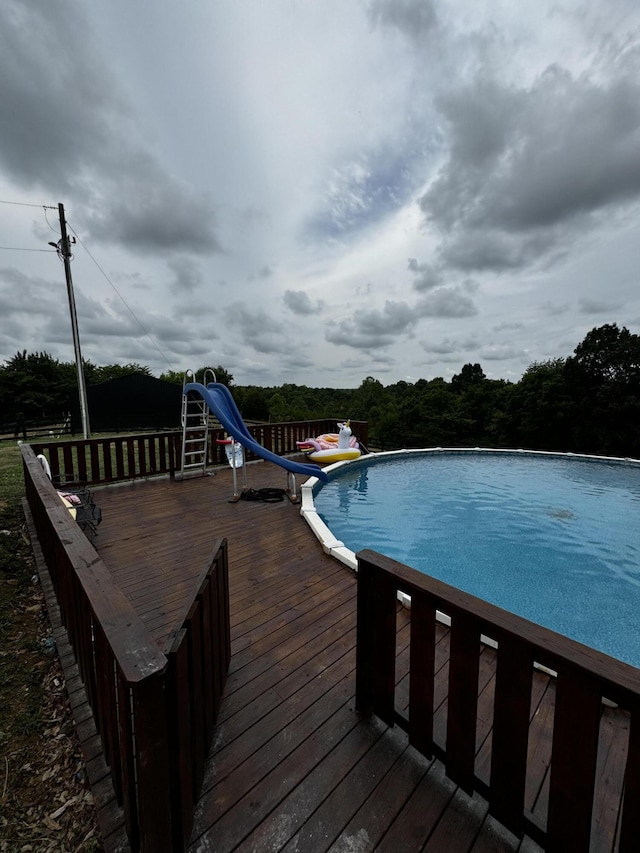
{"x": 470, "y": 375}
{"x": 604, "y": 377}
{"x": 608, "y": 354}
{"x": 369, "y": 398}
{"x": 175, "y": 376}
{"x": 277, "y": 408}
{"x": 117, "y": 371}
{"x": 252, "y": 402}
{"x": 222, "y": 374}
{"x": 36, "y": 385}
{"x": 542, "y": 409}
{"x": 428, "y": 415}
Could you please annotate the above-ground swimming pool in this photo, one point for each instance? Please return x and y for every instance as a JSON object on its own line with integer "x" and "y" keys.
{"x": 554, "y": 538}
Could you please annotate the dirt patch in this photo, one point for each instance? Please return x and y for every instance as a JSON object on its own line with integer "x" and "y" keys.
{"x": 45, "y": 800}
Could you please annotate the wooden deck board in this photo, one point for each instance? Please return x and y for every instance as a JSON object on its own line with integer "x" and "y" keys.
{"x": 292, "y": 766}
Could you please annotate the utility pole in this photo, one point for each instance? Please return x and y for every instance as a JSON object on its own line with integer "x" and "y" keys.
{"x": 65, "y": 254}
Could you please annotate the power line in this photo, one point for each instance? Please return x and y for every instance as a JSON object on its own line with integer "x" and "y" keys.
{"x": 44, "y": 207}
{"x": 55, "y": 230}
{"x": 121, "y": 297}
{"x": 25, "y": 204}
{"x": 20, "y": 249}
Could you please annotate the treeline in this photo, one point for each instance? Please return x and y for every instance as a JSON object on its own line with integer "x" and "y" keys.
{"x": 588, "y": 402}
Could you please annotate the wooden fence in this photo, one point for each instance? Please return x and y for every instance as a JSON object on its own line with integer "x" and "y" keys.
{"x": 109, "y": 460}
{"x": 154, "y": 713}
{"x": 584, "y": 678}
{"x": 118, "y": 458}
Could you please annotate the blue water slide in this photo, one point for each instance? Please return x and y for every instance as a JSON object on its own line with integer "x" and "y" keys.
{"x": 220, "y": 401}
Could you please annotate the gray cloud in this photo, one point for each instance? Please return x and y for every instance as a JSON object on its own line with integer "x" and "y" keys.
{"x": 553, "y": 309}
{"x": 44, "y": 143}
{"x": 528, "y": 169}
{"x": 448, "y": 346}
{"x": 485, "y": 249}
{"x": 413, "y": 18}
{"x": 578, "y": 152}
{"x": 482, "y": 118}
{"x": 370, "y": 328}
{"x": 25, "y": 294}
{"x": 258, "y": 329}
{"x": 294, "y": 361}
{"x": 447, "y": 302}
{"x": 73, "y": 135}
{"x": 508, "y": 326}
{"x": 299, "y": 302}
{"x": 149, "y": 212}
{"x": 426, "y": 275}
{"x": 503, "y": 352}
{"x": 188, "y": 276}
{"x": 597, "y": 306}
{"x": 191, "y": 347}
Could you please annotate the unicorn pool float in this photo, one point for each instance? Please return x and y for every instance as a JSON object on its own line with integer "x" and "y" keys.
{"x": 331, "y": 447}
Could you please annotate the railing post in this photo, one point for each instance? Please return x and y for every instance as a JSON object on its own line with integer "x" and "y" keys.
{"x": 511, "y": 707}
{"x": 573, "y": 764}
{"x": 183, "y": 793}
{"x": 464, "y": 660}
{"x": 364, "y": 641}
{"x": 174, "y": 448}
{"x": 376, "y": 642}
{"x": 422, "y": 660}
{"x": 125, "y": 745}
{"x": 152, "y": 765}
{"x": 630, "y": 827}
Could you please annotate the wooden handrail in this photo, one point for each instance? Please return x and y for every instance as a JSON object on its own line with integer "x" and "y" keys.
{"x": 584, "y": 677}
{"x": 96, "y": 461}
{"x": 155, "y": 714}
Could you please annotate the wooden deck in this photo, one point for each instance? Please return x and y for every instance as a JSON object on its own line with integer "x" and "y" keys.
{"x": 293, "y": 767}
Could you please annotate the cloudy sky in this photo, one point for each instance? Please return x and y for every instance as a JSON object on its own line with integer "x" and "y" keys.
{"x": 317, "y": 191}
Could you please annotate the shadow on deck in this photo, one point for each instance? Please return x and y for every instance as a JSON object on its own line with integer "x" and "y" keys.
{"x": 293, "y": 766}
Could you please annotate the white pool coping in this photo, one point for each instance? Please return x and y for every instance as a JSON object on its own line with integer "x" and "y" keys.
{"x": 338, "y": 550}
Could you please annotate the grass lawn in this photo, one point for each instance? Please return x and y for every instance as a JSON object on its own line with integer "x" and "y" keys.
{"x": 45, "y": 802}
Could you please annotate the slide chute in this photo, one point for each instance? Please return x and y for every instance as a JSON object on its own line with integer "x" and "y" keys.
{"x": 219, "y": 399}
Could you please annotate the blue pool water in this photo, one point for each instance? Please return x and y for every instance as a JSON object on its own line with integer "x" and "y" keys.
{"x": 554, "y": 539}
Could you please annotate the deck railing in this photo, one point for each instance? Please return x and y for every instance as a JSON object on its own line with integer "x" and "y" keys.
{"x": 108, "y": 460}
{"x": 198, "y": 663}
{"x": 154, "y": 713}
{"x": 584, "y": 678}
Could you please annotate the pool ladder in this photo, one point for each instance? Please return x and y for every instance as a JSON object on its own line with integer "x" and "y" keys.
{"x": 195, "y": 419}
